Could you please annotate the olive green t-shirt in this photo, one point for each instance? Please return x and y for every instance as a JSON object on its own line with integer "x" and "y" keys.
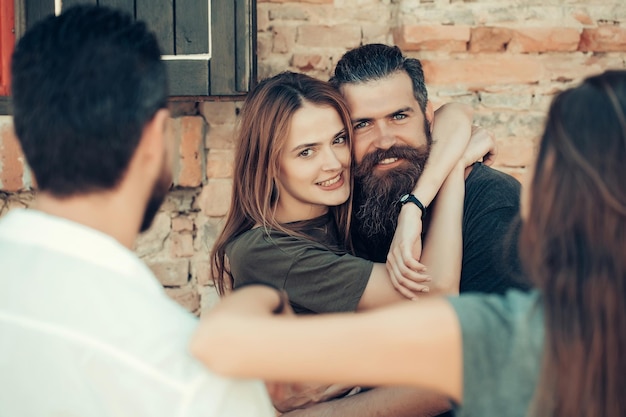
{"x": 318, "y": 276}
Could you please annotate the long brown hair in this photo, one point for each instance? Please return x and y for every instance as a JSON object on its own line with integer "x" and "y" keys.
{"x": 574, "y": 244}
{"x": 264, "y": 126}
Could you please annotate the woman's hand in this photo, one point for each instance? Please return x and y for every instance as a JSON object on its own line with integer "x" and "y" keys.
{"x": 407, "y": 274}
{"x": 481, "y": 147}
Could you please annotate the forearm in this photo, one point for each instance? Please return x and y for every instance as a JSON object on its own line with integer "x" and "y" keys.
{"x": 443, "y": 246}
{"x": 380, "y": 402}
{"x": 451, "y": 132}
{"x": 290, "y": 396}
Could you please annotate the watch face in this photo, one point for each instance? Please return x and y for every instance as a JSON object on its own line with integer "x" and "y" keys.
{"x": 404, "y": 198}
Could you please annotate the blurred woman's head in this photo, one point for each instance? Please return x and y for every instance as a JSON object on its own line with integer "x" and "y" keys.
{"x": 574, "y": 246}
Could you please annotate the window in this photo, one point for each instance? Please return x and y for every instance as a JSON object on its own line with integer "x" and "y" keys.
{"x": 209, "y": 45}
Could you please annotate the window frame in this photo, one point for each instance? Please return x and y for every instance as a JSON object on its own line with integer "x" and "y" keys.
{"x": 230, "y": 72}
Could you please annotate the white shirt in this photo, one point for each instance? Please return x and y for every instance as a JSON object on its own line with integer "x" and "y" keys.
{"x": 87, "y": 330}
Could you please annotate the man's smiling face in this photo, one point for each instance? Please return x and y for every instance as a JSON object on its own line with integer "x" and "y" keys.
{"x": 385, "y": 114}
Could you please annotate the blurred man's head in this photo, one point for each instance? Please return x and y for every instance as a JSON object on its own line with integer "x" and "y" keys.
{"x": 392, "y": 118}
{"x": 85, "y": 84}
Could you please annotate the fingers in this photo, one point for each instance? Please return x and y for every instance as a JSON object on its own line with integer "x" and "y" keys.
{"x": 408, "y": 276}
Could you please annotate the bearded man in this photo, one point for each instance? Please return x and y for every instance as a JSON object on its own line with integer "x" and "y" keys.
{"x": 392, "y": 119}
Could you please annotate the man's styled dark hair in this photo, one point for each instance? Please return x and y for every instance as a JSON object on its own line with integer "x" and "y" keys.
{"x": 84, "y": 85}
{"x": 375, "y": 61}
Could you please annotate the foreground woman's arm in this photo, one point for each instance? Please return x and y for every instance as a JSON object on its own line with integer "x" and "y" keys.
{"x": 406, "y": 344}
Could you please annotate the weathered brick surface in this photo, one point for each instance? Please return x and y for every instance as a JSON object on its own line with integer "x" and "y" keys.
{"x": 219, "y": 163}
{"x": 446, "y": 38}
{"x": 171, "y": 273}
{"x": 540, "y": 39}
{"x": 477, "y": 71}
{"x": 603, "y": 39}
{"x": 189, "y": 164}
{"x": 505, "y": 58}
{"x": 11, "y": 159}
{"x": 215, "y": 197}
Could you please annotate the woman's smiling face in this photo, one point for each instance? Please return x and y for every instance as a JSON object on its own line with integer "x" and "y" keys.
{"x": 314, "y": 164}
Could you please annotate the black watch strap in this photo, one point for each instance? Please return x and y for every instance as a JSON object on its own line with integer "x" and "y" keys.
{"x": 410, "y": 198}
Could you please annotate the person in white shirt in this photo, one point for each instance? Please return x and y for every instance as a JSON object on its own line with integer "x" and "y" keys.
{"x": 86, "y": 329}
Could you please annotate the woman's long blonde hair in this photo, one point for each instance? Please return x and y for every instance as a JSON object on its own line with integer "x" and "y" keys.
{"x": 264, "y": 126}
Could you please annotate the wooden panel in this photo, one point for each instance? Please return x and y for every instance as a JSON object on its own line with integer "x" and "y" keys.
{"x": 36, "y": 10}
{"x": 69, "y": 3}
{"x": 159, "y": 16}
{"x": 188, "y": 77}
{"x": 126, "y": 5}
{"x": 245, "y": 38}
{"x": 192, "y": 32}
{"x": 222, "y": 64}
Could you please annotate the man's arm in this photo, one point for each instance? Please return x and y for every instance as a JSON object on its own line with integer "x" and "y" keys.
{"x": 451, "y": 133}
{"x": 380, "y": 402}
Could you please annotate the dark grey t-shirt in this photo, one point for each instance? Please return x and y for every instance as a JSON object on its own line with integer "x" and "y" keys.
{"x": 502, "y": 351}
{"x": 490, "y": 233}
{"x": 318, "y": 276}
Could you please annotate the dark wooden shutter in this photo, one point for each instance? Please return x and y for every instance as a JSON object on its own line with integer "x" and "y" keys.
{"x": 182, "y": 27}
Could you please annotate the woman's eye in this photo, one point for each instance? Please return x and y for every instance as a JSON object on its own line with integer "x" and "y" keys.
{"x": 339, "y": 140}
{"x": 305, "y": 153}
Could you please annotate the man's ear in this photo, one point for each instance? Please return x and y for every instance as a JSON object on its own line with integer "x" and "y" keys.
{"x": 152, "y": 144}
{"x": 430, "y": 114}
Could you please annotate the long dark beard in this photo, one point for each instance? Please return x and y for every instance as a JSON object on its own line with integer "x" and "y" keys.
{"x": 377, "y": 195}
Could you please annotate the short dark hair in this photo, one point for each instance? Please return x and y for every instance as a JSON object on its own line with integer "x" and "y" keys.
{"x": 375, "y": 61}
{"x": 84, "y": 85}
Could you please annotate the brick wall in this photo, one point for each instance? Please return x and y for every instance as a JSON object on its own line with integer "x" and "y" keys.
{"x": 506, "y": 57}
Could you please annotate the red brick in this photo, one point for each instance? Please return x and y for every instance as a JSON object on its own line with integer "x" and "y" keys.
{"x": 603, "y": 39}
{"x": 219, "y": 163}
{"x": 202, "y": 271}
{"x": 182, "y": 108}
{"x": 221, "y": 136}
{"x": 574, "y": 68}
{"x": 582, "y": 17}
{"x": 214, "y": 200}
{"x": 171, "y": 273}
{"x": 489, "y": 39}
{"x": 515, "y": 152}
{"x": 263, "y": 45}
{"x": 187, "y": 297}
{"x": 307, "y": 62}
{"x": 484, "y": 70}
{"x": 284, "y": 39}
{"x": 262, "y": 19}
{"x": 188, "y": 169}
{"x": 181, "y": 245}
{"x": 181, "y": 223}
{"x": 447, "y": 38}
{"x": 322, "y": 35}
{"x": 11, "y": 160}
{"x": 537, "y": 39}
{"x": 219, "y": 112}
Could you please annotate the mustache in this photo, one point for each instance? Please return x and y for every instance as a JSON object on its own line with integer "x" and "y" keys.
{"x": 372, "y": 159}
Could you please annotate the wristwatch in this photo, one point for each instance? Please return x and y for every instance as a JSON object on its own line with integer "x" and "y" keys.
{"x": 410, "y": 198}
